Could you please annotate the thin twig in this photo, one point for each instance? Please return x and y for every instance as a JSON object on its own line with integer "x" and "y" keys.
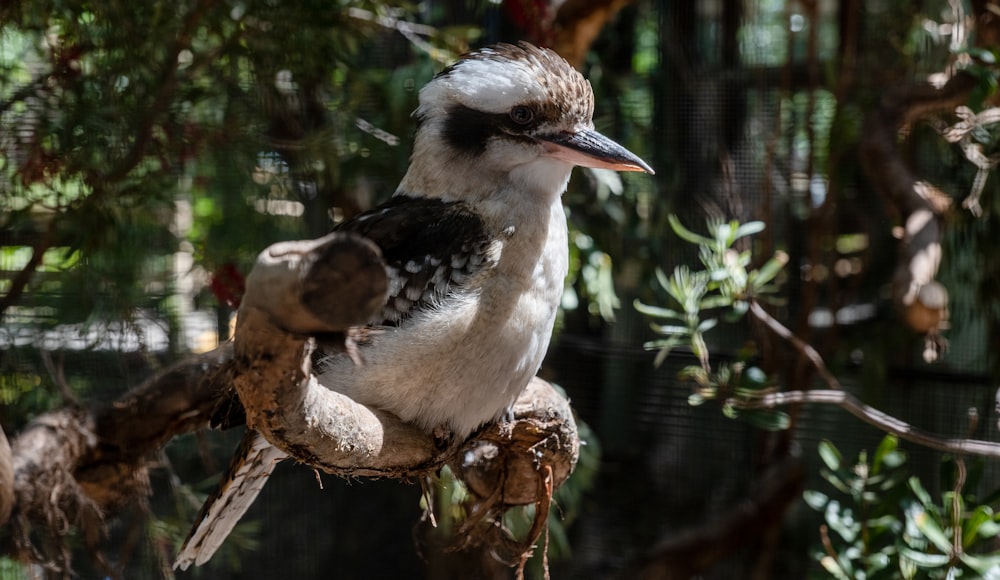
{"x": 410, "y": 31}
{"x": 58, "y": 375}
{"x": 874, "y": 417}
{"x": 781, "y": 330}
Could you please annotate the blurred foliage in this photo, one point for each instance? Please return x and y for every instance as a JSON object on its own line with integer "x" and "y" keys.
{"x": 885, "y": 524}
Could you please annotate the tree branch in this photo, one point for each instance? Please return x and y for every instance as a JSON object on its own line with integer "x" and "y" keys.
{"x": 873, "y": 417}
{"x": 802, "y": 346}
{"x": 74, "y": 467}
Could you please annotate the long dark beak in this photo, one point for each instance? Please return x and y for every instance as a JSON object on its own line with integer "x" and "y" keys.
{"x": 591, "y": 149}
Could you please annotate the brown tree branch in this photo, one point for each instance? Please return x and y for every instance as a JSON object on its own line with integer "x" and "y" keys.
{"x": 800, "y": 345}
{"x": 21, "y": 280}
{"x": 874, "y": 417}
{"x": 73, "y": 467}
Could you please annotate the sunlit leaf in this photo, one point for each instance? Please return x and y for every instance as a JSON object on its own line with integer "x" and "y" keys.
{"x": 830, "y": 455}
{"x": 976, "y": 522}
{"x": 656, "y": 311}
{"x": 830, "y": 565}
{"x": 716, "y": 302}
{"x": 928, "y": 526}
{"x": 767, "y": 272}
{"x": 753, "y": 378}
{"x": 814, "y": 499}
{"x": 924, "y": 560}
{"x": 834, "y": 479}
{"x": 986, "y": 566}
{"x": 686, "y": 234}
{"x": 887, "y": 445}
{"x": 749, "y": 229}
{"x": 920, "y": 492}
{"x": 670, "y": 329}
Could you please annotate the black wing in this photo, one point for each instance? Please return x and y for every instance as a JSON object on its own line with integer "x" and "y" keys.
{"x": 430, "y": 246}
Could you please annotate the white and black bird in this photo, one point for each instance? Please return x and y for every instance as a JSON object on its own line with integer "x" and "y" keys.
{"x": 475, "y": 243}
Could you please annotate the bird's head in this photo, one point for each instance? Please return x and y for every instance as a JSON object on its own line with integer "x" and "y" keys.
{"x": 519, "y": 113}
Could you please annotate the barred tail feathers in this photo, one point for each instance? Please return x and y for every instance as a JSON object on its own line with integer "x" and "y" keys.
{"x": 249, "y": 470}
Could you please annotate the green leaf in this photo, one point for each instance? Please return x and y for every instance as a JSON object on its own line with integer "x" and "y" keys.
{"x": 830, "y": 565}
{"x": 670, "y": 329}
{"x": 768, "y": 420}
{"x": 767, "y": 272}
{"x": 662, "y": 278}
{"x": 698, "y": 346}
{"x": 983, "y": 54}
{"x": 877, "y": 561}
{"x": 929, "y": 527}
{"x": 715, "y": 301}
{"x": 749, "y": 229}
{"x": 988, "y": 530}
{"x": 815, "y": 499}
{"x": 921, "y": 493}
{"x": 886, "y": 523}
{"x": 842, "y": 522}
{"x": 686, "y": 234}
{"x": 665, "y": 347}
{"x": 693, "y": 373}
{"x": 830, "y": 455}
{"x": 753, "y": 378}
{"x": 979, "y": 524}
{"x": 835, "y": 480}
{"x": 656, "y": 311}
{"x": 888, "y": 445}
{"x": 923, "y": 560}
{"x": 987, "y": 566}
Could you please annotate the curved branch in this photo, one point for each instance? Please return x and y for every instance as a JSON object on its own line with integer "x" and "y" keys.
{"x": 288, "y": 298}
{"x": 874, "y": 417}
{"x": 802, "y": 346}
{"x": 73, "y": 467}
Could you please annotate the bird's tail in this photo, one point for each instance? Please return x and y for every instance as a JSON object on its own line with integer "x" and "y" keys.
{"x": 248, "y": 472}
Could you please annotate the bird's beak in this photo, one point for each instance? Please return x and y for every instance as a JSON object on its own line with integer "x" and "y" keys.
{"x": 589, "y": 148}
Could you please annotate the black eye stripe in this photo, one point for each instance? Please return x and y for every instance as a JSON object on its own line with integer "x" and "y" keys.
{"x": 468, "y": 130}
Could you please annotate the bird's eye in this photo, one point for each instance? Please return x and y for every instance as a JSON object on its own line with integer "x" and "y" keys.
{"x": 522, "y": 115}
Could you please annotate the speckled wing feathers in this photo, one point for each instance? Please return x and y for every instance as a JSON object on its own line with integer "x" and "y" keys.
{"x": 430, "y": 246}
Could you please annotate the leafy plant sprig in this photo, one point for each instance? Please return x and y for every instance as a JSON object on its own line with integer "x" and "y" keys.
{"x": 728, "y": 286}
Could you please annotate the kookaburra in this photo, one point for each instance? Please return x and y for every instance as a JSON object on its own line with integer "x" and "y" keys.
{"x": 475, "y": 243}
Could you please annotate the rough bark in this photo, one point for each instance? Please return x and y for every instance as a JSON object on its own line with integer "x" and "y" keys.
{"x": 74, "y": 467}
